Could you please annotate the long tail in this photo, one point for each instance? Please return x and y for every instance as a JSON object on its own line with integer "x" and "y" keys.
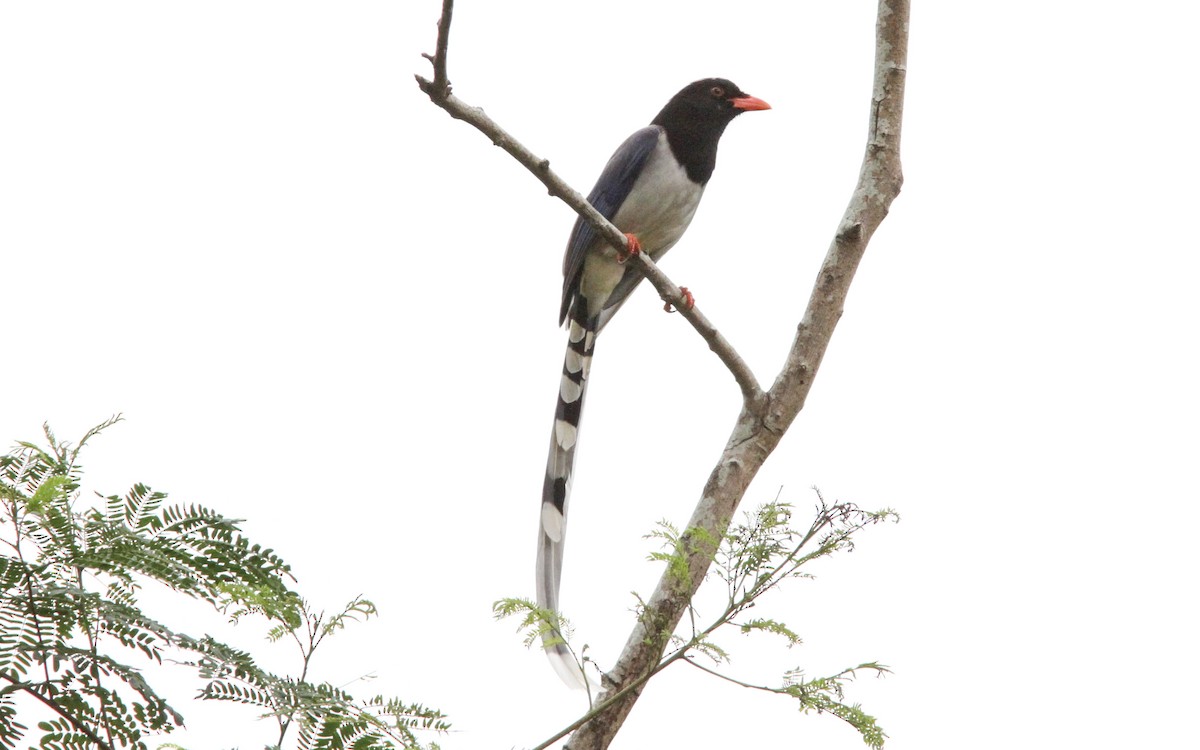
{"x": 556, "y": 491}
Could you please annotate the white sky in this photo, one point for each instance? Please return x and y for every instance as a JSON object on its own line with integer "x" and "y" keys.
{"x": 324, "y": 306}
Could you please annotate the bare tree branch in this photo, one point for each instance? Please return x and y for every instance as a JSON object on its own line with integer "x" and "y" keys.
{"x": 438, "y": 90}
{"x": 765, "y": 416}
{"x": 441, "y": 81}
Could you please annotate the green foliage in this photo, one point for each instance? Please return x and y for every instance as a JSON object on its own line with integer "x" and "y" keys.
{"x": 546, "y": 627}
{"x": 538, "y": 625}
{"x": 825, "y": 694}
{"x": 771, "y": 626}
{"x": 754, "y": 557}
{"x": 70, "y": 576}
{"x": 757, "y": 556}
{"x": 327, "y": 718}
{"x": 677, "y": 548}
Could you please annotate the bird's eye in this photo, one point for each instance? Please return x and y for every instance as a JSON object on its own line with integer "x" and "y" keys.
{"x": 717, "y": 92}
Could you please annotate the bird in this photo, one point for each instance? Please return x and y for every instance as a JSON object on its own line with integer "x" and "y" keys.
{"x": 650, "y": 189}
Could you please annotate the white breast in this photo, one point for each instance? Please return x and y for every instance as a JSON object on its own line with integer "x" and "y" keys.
{"x": 658, "y": 211}
{"x": 662, "y": 203}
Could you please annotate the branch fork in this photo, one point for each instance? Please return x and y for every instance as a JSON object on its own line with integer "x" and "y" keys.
{"x": 765, "y": 415}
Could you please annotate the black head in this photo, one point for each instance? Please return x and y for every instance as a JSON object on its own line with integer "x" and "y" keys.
{"x": 711, "y": 102}
{"x": 696, "y": 117}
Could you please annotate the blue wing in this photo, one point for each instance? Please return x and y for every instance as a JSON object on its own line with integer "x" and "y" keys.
{"x": 611, "y": 190}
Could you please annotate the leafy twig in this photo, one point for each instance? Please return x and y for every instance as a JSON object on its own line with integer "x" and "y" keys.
{"x": 57, "y": 708}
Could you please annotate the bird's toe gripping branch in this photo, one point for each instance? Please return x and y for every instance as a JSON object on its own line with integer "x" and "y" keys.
{"x": 633, "y": 248}
{"x": 689, "y": 300}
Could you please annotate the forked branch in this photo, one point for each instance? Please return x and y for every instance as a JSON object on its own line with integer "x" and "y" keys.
{"x": 764, "y": 416}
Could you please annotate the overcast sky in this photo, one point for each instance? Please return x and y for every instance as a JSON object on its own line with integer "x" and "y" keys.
{"x": 324, "y": 306}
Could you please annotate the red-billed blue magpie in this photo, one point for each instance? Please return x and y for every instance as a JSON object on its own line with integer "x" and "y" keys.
{"x": 649, "y": 189}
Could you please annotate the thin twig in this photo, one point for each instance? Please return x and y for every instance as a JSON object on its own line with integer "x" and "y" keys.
{"x": 735, "y": 681}
{"x": 53, "y": 705}
{"x": 440, "y": 80}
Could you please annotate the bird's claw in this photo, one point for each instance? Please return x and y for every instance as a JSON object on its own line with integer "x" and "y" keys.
{"x": 633, "y": 248}
{"x": 689, "y": 300}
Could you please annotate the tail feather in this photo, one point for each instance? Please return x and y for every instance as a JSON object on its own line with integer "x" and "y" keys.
{"x": 556, "y": 491}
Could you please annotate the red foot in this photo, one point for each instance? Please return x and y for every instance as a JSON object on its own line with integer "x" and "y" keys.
{"x": 634, "y": 248}
{"x": 689, "y": 300}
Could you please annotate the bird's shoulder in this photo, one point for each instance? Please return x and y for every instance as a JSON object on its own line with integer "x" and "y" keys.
{"x": 624, "y": 167}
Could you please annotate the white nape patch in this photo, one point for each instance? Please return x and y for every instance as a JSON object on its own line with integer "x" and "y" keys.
{"x": 569, "y": 391}
{"x": 573, "y": 360}
{"x": 552, "y": 522}
{"x": 577, "y": 333}
{"x": 564, "y": 433}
